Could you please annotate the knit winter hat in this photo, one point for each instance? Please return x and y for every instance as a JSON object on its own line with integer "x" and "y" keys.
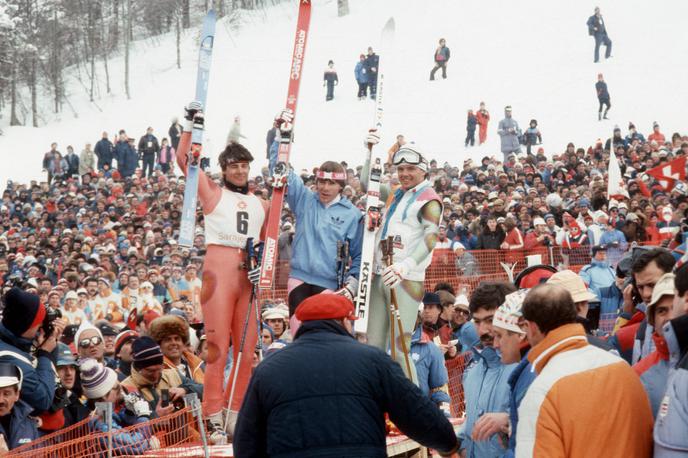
{"x": 145, "y": 353}
{"x": 83, "y": 327}
{"x": 96, "y": 379}
{"x": 22, "y": 312}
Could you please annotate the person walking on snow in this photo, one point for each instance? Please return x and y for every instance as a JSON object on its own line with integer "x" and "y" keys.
{"x": 361, "y": 77}
{"x": 598, "y": 30}
{"x": 330, "y": 79}
{"x": 471, "y": 122}
{"x": 232, "y": 215}
{"x": 509, "y": 132}
{"x": 532, "y": 135}
{"x": 371, "y": 64}
{"x": 324, "y": 218}
{"x": 412, "y": 219}
{"x": 441, "y": 57}
{"x": 148, "y": 148}
{"x": 602, "y": 97}
{"x": 483, "y": 117}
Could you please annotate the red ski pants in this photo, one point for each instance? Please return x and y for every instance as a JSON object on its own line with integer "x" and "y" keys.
{"x": 225, "y": 297}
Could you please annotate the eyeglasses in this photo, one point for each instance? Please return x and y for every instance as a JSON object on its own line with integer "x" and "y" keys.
{"x": 93, "y": 341}
{"x": 462, "y": 311}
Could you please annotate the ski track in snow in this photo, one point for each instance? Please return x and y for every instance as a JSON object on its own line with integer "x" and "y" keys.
{"x": 535, "y": 56}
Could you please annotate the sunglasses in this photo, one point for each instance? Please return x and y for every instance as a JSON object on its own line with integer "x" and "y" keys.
{"x": 462, "y": 311}
{"x": 93, "y": 341}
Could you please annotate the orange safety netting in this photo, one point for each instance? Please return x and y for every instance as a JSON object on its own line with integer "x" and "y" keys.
{"x": 87, "y": 440}
{"x": 455, "y": 369}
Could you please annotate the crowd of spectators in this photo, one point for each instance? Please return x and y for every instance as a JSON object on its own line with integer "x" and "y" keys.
{"x": 96, "y": 240}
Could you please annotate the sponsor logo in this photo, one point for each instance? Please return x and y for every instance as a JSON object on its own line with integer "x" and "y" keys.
{"x": 363, "y": 289}
{"x": 242, "y": 205}
{"x": 298, "y": 55}
{"x": 336, "y": 220}
{"x": 269, "y": 260}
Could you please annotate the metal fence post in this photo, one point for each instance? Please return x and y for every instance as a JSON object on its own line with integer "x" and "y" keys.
{"x": 104, "y": 409}
{"x": 191, "y": 400}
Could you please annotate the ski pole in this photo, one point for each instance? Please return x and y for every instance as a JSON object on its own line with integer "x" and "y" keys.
{"x": 253, "y": 257}
{"x": 386, "y": 253}
{"x": 395, "y": 307}
{"x": 237, "y": 363}
{"x": 340, "y": 264}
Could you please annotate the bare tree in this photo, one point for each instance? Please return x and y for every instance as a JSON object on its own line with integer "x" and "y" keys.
{"x": 127, "y": 40}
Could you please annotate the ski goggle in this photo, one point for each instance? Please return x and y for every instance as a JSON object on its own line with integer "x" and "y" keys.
{"x": 411, "y": 157}
{"x": 334, "y": 176}
{"x": 93, "y": 341}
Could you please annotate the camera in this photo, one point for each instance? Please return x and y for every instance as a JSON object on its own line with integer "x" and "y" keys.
{"x": 51, "y": 314}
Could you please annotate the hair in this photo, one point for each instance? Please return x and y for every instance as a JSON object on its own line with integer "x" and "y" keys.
{"x": 334, "y": 167}
{"x": 444, "y": 286}
{"x": 662, "y": 257}
{"x": 234, "y": 152}
{"x": 549, "y": 306}
{"x": 681, "y": 280}
{"x": 489, "y": 295}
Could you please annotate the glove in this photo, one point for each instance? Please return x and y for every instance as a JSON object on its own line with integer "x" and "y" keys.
{"x": 373, "y": 138}
{"x": 190, "y": 112}
{"x": 137, "y": 405}
{"x": 254, "y": 275}
{"x": 350, "y": 289}
{"x": 286, "y": 116}
{"x": 446, "y": 410}
{"x": 392, "y": 275}
{"x": 279, "y": 175}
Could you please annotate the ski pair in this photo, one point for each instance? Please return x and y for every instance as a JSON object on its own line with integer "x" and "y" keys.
{"x": 187, "y": 226}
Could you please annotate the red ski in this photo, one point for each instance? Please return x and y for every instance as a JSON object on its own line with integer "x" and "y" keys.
{"x": 267, "y": 271}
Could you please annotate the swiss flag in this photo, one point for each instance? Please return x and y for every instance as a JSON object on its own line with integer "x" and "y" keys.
{"x": 668, "y": 174}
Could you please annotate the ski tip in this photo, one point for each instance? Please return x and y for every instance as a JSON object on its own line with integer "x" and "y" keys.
{"x": 390, "y": 24}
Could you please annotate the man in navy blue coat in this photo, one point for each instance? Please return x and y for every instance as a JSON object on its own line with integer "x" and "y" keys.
{"x": 326, "y": 395}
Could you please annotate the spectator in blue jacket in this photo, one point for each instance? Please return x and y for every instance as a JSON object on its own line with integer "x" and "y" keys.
{"x": 532, "y": 135}
{"x": 20, "y": 330}
{"x": 598, "y": 274}
{"x": 463, "y": 328}
{"x": 371, "y": 64}
{"x": 105, "y": 151}
{"x": 634, "y": 135}
{"x": 611, "y": 301}
{"x": 427, "y": 357}
{"x": 471, "y": 123}
{"x": 597, "y": 29}
{"x": 485, "y": 382}
{"x": 16, "y": 427}
{"x": 602, "y": 97}
{"x": 510, "y": 339}
{"x": 127, "y": 159}
{"x": 323, "y": 218}
{"x": 672, "y": 419}
{"x": 100, "y": 384}
{"x": 361, "y": 77}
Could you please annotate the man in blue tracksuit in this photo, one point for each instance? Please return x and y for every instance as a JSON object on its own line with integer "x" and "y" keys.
{"x": 485, "y": 382}
{"x": 323, "y": 218}
{"x": 427, "y": 357}
{"x": 510, "y": 339}
{"x": 361, "y": 77}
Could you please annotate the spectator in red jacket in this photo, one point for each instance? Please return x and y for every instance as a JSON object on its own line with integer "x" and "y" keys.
{"x": 540, "y": 236}
{"x": 483, "y": 117}
{"x": 656, "y": 135}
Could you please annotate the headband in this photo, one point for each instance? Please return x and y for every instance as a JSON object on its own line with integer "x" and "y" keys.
{"x": 334, "y": 176}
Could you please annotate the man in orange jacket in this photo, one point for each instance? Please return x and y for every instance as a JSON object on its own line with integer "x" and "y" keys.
{"x": 483, "y": 117}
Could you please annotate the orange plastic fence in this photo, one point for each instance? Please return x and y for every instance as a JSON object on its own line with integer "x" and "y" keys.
{"x": 475, "y": 266}
{"x": 176, "y": 429}
{"x": 455, "y": 369}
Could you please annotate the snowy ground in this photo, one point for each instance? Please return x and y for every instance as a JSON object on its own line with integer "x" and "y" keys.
{"x": 535, "y": 56}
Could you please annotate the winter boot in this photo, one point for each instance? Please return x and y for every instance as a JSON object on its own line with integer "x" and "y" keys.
{"x": 605, "y": 114}
{"x": 599, "y": 116}
{"x": 230, "y": 423}
{"x": 216, "y": 429}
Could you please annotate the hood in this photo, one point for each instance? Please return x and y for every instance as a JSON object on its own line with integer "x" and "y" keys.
{"x": 9, "y": 337}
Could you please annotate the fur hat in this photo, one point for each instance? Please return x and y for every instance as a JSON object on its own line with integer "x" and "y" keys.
{"x": 168, "y": 325}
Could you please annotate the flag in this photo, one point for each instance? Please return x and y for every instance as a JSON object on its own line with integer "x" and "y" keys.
{"x": 668, "y": 174}
{"x": 616, "y": 187}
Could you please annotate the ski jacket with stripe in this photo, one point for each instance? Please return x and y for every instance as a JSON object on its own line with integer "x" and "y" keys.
{"x": 519, "y": 382}
{"x": 653, "y": 371}
{"x": 671, "y": 440}
{"x": 325, "y": 395}
{"x": 318, "y": 229}
{"x": 557, "y": 418}
{"x": 39, "y": 375}
{"x": 485, "y": 390}
{"x": 430, "y": 369}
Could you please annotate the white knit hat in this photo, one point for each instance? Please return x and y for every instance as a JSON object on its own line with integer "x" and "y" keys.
{"x": 83, "y": 327}
{"x": 509, "y": 313}
{"x": 96, "y": 379}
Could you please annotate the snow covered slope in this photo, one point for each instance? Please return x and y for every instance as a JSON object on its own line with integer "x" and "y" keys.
{"x": 534, "y": 55}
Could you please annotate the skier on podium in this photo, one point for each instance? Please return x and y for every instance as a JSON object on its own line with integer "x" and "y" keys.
{"x": 232, "y": 215}
{"x": 412, "y": 220}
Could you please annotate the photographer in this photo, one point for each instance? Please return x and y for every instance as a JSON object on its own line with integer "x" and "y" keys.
{"x": 540, "y": 236}
{"x": 22, "y": 330}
